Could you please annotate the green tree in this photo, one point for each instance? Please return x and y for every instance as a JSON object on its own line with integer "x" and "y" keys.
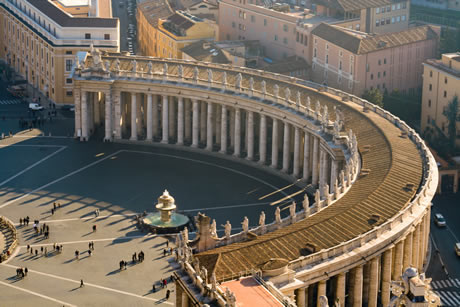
{"x": 375, "y": 96}
{"x": 451, "y": 113}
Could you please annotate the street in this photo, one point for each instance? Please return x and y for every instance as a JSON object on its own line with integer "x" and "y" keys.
{"x": 444, "y": 266}
{"x": 125, "y": 10}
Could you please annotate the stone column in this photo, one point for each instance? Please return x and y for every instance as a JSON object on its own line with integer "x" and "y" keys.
{"x": 210, "y": 127}
{"x": 398, "y": 265}
{"x": 306, "y": 156}
{"x": 263, "y": 139}
{"x": 108, "y": 116}
{"x": 334, "y": 171}
{"x": 84, "y": 116}
{"x": 172, "y": 118}
{"x": 203, "y": 111}
{"x": 250, "y": 129}
{"x": 322, "y": 173}
{"x": 139, "y": 115}
{"x": 77, "y": 102}
{"x": 133, "y": 117}
{"x": 386, "y": 277}
{"x": 340, "y": 289}
{"x": 117, "y": 115}
{"x": 300, "y": 297}
{"x": 188, "y": 121}
{"x": 237, "y": 150}
{"x": 275, "y": 144}
{"x": 180, "y": 121}
{"x": 358, "y": 286}
{"x": 165, "y": 136}
{"x": 315, "y": 166}
{"x": 374, "y": 281}
{"x": 296, "y": 166}
{"x": 416, "y": 247}
{"x": 223, "y": 130}
{"x": 218, "y": 123}
{"x": 407, "y": 258}
{"x": 232, "y": 127}
{"x": 185, "y": 300}
{"x": 321, "y": 291}
{"x": 149, "y": 118}
{"x": 155, "y": 117}
{"x": 286, "y": 148}
{"x": 195, "y": 124}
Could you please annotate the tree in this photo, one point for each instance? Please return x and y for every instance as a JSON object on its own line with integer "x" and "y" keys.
{"x": 451, "y": 113}
{"x": 375, "y": 96}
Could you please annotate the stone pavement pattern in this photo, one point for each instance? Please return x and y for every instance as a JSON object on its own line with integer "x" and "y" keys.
{"x": 120, "y": 181}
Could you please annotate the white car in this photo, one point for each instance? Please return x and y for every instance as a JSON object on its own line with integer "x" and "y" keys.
{"x": 439, "y": 220}
{"x": 35, "y": 106}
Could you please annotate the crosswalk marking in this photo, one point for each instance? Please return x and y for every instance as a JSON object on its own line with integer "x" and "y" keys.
{"x": 11, "y": 101}
{"x": 448, "y": 298}
{"x": 447, "y": 283}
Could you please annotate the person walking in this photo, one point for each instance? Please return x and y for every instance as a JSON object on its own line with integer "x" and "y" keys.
{"x": 89, "y": 252}
{"x": 77, "y": 253}
{"x": 153, "y": 288}
{"x": 81, "y": 283}
{"x": 26, "y": 271}
{"x": 94, "y": 228}
{"x": 168, "y": 293}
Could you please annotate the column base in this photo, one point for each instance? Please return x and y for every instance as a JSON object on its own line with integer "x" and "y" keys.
{"x": 194, "y": 146}
{"x": 223, "y": 151}
{"x": 249, "y": 158}
{"x": 284, "y": 170}
{"x": 107, "y": 139}
{"x": 208, "y": 148}
{"x": 132, "y": 139}
{"x": 274, "y": 166}
{"x": 236, "y": 155}
{"x": 164, "y": 142}
{"x": 261, "y": 162}
{"x": 180, "y": 143}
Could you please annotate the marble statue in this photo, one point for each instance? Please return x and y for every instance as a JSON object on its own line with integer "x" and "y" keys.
{"x": 305, "y": 203}
{"x": 262, "y": 219}
{"x": 297, "y": 101}
{"x": 308, "y": 106}
{"x": 196, "y": 265}
{"x": 96, "y": 55}
{"x": 228, "y": 229}
{"x": 185, "y": 235}
{"x": 336, "y": 129}
{"x": 181, "y": 71}
{"x": 245, "y": 224}
{"x": 178, "y": 241}
{"x": 204, "y": 275}
{"x": 224, "y": 78}
{"x": 318, "y": 199}
{"x": 323, "y": 301}
{"x": 149, "y": 67}
{"x": 117, "y": 64}
{"x": 251, "y": 84}
{"x": 318, "y": 110}
{"x": 292, "y": 210}
{"x": 287, "y": 94}
{"x": 263, "y": 86}
{"x": 278, "y": 215}
{"x": 165, "y": 69}
{"x": 77, "y": 62}
{"x": 195, "y": 74}
{"x": 336, "y": 187}
{"x": 239, "y": 79}
{"x": 325, "y": 116}
{"x": 326, "y": 190}
{"x": 213, "y": 282}
{"x": 209, "y": 75}
{"x": 342, "y": 178}
{"x": 276, "y": 90}
{"x": 213, "y": 228}
{"x": 107, "y": 65}
{"x": 134, "y": 63}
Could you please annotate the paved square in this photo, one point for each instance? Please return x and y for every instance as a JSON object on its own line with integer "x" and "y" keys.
{"x": 120, "y": 181}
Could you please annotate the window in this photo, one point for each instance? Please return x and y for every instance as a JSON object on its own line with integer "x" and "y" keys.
{"x": 380, "y": 62}
{"x": 383, "y": 9}
{"x": 445, "y": 94}
{"x": 372, "y": 76}
{"x": 107, "y": 37}
{"x": 392, "y": 20}
{"x": 340, "y": 53}
{"x": 429, "y": 103}
{"x": 327, "y": 58}
{"x": 384, "y": 73}
{"x": 398, "y": 6}
{"x": 340, "y": 65}
{"x": 87, "y": 36}
{"x": 403, "y": 18}
{"x": 68, "y": 52}
{"x": 314, "y": 53}
{"x": 384, "y": 60}
{"x": 285, "y": 28}
{"x": 388, "y": 21}
{"x": 68, "y": 64}
{"x": 265, "y": 22}
{"x": 276, "y": 37}
{"x": 378, "y": 75}
{"x": 377, "y": 10}
{"x": 377, "y": 22}
{"x": 428, "y": 119}
{"x": 431, "y": 73}
{"x": 367, "y": 67}
{"x": 68, "y": 80}
{"x": 285, "y": 40}
{"x": 430, "y": 87}
{"x": 404, "y": 5}
{"x": 233, "y": 24}
{"x": 69, "y": 93}
{"x": 388, "y": 9}
{"x": 305, "y": 41}
{"x": 398, "y": 18}
{"x": 445, "y": 80}
{"x": 393, "y": 7}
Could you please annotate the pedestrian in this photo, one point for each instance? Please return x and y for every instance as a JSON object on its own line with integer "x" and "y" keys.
{"x": 20, "y": 222}
{"x": 153, "y": 288}
{"x": 41, "y": 249}
{"x": 89, "y": 245}
{"x": 31, "y": 251}
{"x": 54, "y": 206}
{"x": 165, "y": 283}
{"x": 28, "y": 247}
{"x": 95, "y": 213}
{"x": 36, "y": 252}
{"x": 26, "y": 271}
{"x": 167, "y": 294}
{"x": 167, "y": 243}
{"x": 52, "y": 211}
{"x": 54, "y": 246}
{"x": 92, "y": 245}
{"x": 121, "y": 265}
{"x": 81, "y": 283}
{"x": 59, "y": 205}
{"x": 77, "y": 253}
{"x": 62, "y": 247}
{"x": 94, "y": 228}
{"x": 164, "y": 252}
{"x": 89, "y": 252}
{"x": 46, "y": 252}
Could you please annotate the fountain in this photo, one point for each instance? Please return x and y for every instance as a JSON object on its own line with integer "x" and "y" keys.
{"x": 165, "y": 220}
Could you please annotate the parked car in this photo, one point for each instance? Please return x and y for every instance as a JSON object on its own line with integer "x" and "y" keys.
{"x": 439, "y": 220}
{"x": 17, "y": 91}
{"x": 457, "y": 249}
{"x": 35, "y": 106}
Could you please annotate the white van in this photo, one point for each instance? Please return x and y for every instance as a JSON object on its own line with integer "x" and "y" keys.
{"x": 35, "y": 106}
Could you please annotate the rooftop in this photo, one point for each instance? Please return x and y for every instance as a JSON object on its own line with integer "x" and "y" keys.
{"x": 153, "y": 10}
{"x": 288, "y": 65}
{"x": 69, "y": 3}
{"x": 362, "y": 43}
{"x": 66, "y": 20}
{"x": 249, "y": 292}
{"x": 353, "y": 5}
{"x": 206, "y": 51}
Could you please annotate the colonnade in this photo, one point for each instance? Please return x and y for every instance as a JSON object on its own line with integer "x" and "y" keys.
{"x": 367, "y": 283}
{"x": 225, "y": 128}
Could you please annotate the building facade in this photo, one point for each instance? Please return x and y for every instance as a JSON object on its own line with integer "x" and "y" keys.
{"x": 441, "y": 83}
{"x": 40, "y": 39}
{"x": 355, "y": 61}
{"x": 370, "y": 177}
{"x": 439, "y": 4}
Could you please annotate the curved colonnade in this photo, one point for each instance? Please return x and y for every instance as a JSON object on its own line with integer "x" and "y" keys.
{"x": 373, "y": 174}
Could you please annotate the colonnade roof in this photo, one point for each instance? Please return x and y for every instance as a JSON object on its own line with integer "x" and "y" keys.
{"x": 394, "y": 163}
